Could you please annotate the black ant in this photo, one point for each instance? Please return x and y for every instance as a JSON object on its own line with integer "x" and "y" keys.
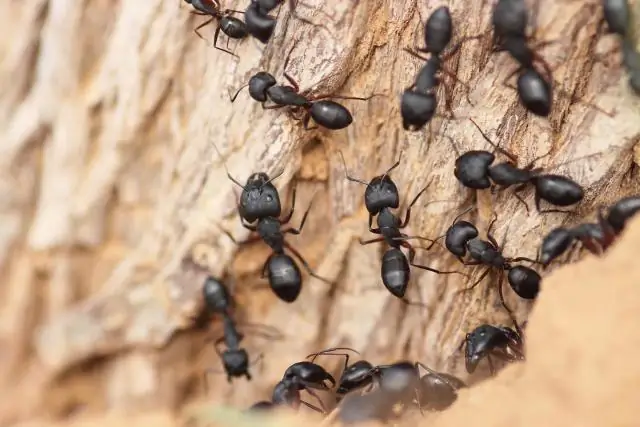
{"x": 260, "y": 202}
{"x": 380, "y": 197}
{"x": 510, "y": 20}
{"x": 474, "y": 170}
{"x": 492, "y": 341}
{"x": 462, "y": 237}
{"x": 218, "y": 300}
{"x": 324, "y": 112}
{"x": 595, "y": 237}
{"x": 231, "y": 26}
{"x": 418, "y": 102}
{"x": 259, "y": 23}
{"x": 354, "y": 377}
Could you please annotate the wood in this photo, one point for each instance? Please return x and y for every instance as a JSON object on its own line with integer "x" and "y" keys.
{"x": 109, "y": 179}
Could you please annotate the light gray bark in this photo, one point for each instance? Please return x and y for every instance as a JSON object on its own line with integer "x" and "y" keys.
{"x": 109, "y": 180}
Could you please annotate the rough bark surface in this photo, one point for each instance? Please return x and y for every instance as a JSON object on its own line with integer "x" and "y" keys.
{"x": 109, "y": 178}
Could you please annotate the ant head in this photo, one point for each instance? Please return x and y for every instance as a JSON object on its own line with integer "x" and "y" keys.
{"x": 381, "y": 193}
{"x": 509, "y": 18}
{"x": 259, "y": 83}
{"x": 236, "y": 362}
{"x": 438, "y": 30}
{"x": 457, "y": 237}
{"x": 309, "y": 374}
{"x": 477, "y": 344}
{"x": 524, "y": 281}
{"x": 259, "y": 198}
{"x": 534, "y": 92}
{"x": 216, "y": 296}
{"x": 471, "y": 169}
{"x": 416, "y": 109}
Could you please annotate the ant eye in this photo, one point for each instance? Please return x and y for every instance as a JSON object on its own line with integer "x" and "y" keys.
{"x": 269, "y": 198}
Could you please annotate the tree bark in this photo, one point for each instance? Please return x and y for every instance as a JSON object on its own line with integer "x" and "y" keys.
{"x": 111, "y": 182}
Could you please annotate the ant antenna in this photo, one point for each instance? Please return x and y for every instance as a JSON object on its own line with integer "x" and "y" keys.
{"x": 493, "y": 144}
{"x": 235, "y": 95}
{"x": 235, "y": 181}
{"x": 329, "y": 351}
{"x": 278, "y": 175}
{"x": 346, "y": 172}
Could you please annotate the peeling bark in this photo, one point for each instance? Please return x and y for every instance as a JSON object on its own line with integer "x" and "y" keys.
{"x": 110, "y": 180}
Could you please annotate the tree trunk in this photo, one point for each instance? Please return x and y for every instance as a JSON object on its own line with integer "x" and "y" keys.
{"x": 115, "y": 200}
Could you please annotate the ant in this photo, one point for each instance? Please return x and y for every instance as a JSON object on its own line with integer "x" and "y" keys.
{"x": 231, "y": 26}
{"x": 487, "y": 341}
{"x": 235, "y": 360}
{"x": 462, "y": 237}
{"x": 355, "y": 376}
{"x": 418, "y": 102}
{"x": 260, "y": 202}
{"x": 299, "y": 376}
{"x": 326, "y": 113}
{"x": 595, "y": 237}
{"x": 258, "y": 21}
{"x": 380, "y": 197}
{"x": 474, "y": 170}
{"x": 510, "y": 20}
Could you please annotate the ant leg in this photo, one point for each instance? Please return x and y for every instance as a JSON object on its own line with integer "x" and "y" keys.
{"x": 403, "y": 237}
{"x": 271, "y": 107}
{"x": 305, "y": 264}
{"x": 412, "y": 255}
{"x": 516, "y": 193}
{"x": 477, "y": 282}
{"x": 373, "y": 230}
{"x": 313, "y": 393}
{"x": 414, "y": 54}
{"x": 310, "y": 406}
{"x": 244, "y": 242}
{"x": 305, "y": 122}
{"x": 492, "y": 370}
{"x": 506, "y": 79}
{"x": 215, "y": 43}
{"x": 304, "y": 219}
{"x": 368, "y": 242}
{"x": 351, "y": 178}
{"x": 510, "y": 155}
{"x": 286, "y": 219}
{"x": 543, "y": 211}
{"x": 489, "y": 234}
{"x": 204, "y": 24}
{"x": 227, "y": 11}
{"x": 407, "y": 215}
{"x": 502, "y": 301}
{"x": 522, "y": 258}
